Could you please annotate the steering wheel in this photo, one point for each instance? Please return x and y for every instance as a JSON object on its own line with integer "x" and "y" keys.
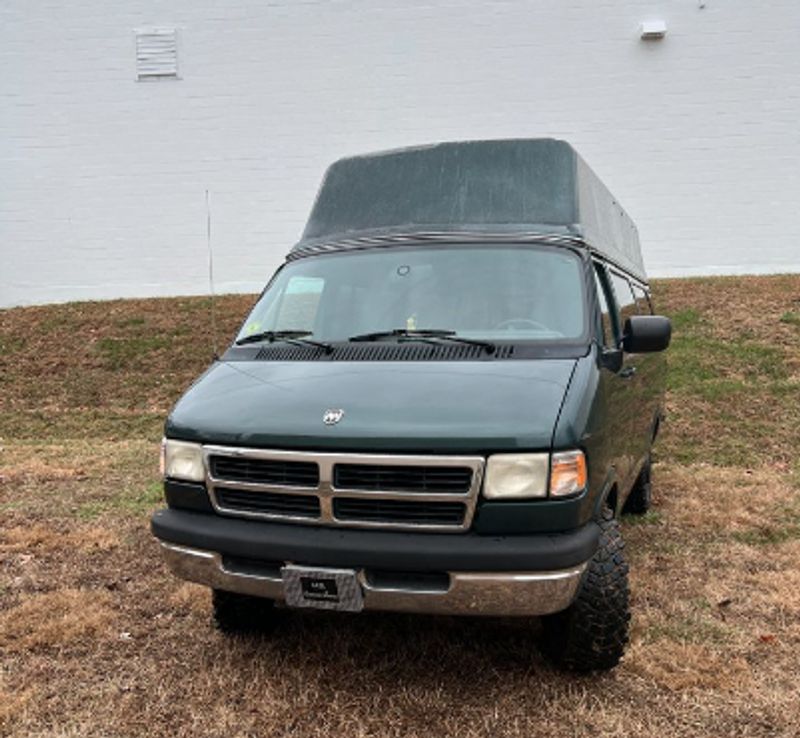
{"x": 522, "y": 322}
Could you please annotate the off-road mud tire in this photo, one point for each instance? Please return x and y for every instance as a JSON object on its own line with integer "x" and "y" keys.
{"x": 238, "y": 613}
{"x": 592, "y": 632}
{"x": 640, "y": 498}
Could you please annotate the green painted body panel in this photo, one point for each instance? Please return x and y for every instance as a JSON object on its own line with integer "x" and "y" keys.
{"x": 612, "y": 418}
{"x": 532, "y": 516}
{"x": 423, "y": 407}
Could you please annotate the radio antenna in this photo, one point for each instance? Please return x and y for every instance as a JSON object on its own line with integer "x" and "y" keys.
{"x": 211, "y": 280}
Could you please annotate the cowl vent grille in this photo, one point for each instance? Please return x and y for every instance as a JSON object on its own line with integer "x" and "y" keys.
{"x": 411, "y": 351}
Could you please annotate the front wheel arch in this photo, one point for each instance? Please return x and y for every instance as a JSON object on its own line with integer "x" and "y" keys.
{"x": 608, "y": 499}
{"x": 611, "y": 500}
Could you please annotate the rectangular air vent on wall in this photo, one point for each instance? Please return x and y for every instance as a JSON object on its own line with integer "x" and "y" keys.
{"x": 156, "y": 53}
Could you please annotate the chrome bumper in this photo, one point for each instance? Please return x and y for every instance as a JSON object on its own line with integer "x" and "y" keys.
{"x": 468, "y": 593}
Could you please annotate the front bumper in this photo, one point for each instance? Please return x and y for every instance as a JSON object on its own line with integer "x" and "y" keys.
{"x": 465, "y": 574}
{"x": 467, "y": 593}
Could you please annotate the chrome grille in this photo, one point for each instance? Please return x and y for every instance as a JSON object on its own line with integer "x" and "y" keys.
{"x": 405, "y": 511}
{"x": 403, "y": 478}
{"x": 265, "y": 471}
{"x": 306, "y": 506}
{"x": 354, "y": 490}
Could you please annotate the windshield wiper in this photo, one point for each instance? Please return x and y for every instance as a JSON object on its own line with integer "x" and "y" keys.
{"x": 429, "y": 335}
{"x": 402, "y": 333}
{"x": 294, "y": 337}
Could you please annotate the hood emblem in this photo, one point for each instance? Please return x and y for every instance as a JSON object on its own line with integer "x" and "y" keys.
{"x": 332, "y": 416}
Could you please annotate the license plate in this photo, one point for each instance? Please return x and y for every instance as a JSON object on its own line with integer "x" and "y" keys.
{"x": 324, "y": 589}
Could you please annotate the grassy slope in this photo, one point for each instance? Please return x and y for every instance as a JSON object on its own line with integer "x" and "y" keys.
{"x": 96, "y": 638}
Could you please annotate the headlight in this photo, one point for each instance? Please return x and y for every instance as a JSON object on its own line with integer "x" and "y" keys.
{"x": 182, "y": 460}
{"x": 525, "y": 476}
{"x": 567, "y": 473}
{"x": 516, "y": 476}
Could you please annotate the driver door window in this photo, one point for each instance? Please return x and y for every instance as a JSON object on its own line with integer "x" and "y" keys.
{"x": 626, "y": 303}
{"x": 605, "y": 312}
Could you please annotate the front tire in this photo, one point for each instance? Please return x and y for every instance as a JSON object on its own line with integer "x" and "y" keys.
{"x": 238, "y": 613}
{"x": 592, "y": 632}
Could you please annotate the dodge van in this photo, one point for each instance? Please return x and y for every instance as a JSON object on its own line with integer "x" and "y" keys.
{"x": 442, "y": 402}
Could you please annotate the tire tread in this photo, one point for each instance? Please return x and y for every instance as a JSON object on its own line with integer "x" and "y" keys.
{"x": 592, "y": 633}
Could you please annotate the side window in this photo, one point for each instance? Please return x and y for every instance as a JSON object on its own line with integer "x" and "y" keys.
{"x": 605, "y": 313}
{"x": 626, "y": 304}
{"x": 642, "y": 300}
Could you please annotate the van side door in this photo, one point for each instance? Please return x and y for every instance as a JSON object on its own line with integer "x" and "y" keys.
{"x": 615, "y": 387}
{"x": 636, "y": 370}
{"x": 652, "y": 370}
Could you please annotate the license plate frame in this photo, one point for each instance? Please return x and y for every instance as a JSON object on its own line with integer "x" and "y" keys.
{"x": 322, "y": 589}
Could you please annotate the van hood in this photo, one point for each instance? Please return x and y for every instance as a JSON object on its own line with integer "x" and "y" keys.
{"x": 412, "y": 407}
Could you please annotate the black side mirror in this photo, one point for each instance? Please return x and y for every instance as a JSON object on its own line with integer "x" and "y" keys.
{"x": 646, "y": 333}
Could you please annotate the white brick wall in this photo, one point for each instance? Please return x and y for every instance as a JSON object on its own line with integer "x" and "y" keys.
{"x": 102, "y": 178}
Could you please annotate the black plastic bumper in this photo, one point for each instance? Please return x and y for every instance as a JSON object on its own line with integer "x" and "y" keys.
{"x": 401, "y": 551}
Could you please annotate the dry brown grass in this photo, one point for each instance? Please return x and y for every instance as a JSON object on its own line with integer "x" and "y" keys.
{"x": 37, "y": 537}
{"x": 14, "y": 705}
{"x": 96, "y": 638}
{"x": 55, "y": 620}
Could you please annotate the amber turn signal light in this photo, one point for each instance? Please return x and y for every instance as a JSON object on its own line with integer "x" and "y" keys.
{"x": 567, "y": 473}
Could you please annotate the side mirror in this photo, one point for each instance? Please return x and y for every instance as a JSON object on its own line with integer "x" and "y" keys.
{"x": 646, "y": 333}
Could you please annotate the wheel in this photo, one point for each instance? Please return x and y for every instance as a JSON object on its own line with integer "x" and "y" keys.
{"x": 592, "y": 632}
{"x": 238, "y": 613}
{"x": 640, "y": 498}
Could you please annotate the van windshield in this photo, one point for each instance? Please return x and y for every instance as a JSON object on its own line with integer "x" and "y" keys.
{"x": 511, "y": 293}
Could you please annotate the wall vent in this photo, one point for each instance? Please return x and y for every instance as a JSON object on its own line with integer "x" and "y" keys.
{"x": 156, "y": 53}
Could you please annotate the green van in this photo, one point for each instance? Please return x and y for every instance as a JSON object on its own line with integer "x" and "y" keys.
{"x": 440, "y": 403}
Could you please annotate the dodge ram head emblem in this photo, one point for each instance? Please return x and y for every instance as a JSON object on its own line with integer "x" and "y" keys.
{"x": 332, "y": 416}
